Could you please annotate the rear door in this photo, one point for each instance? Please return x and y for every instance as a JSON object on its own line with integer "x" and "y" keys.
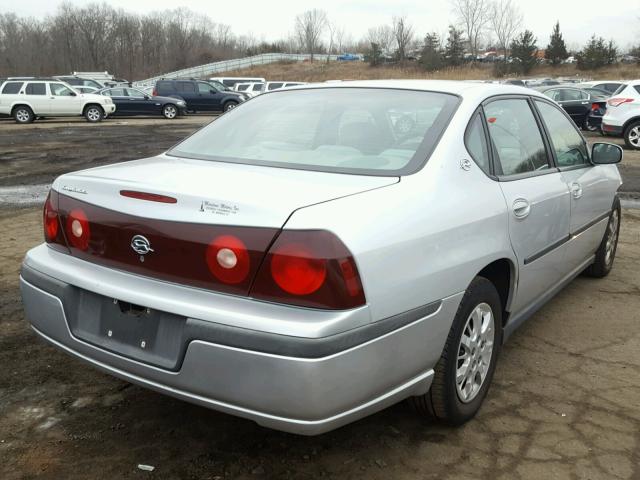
{"x": 187, "y": 90}
{"x": 591, "y": 189}
{"x": 537, "y": 196}
{"x": 576, "y": 103}
{"x": 36, "y": 94}
{"x": 210, "y": 97}
{"x": 140, "y": 103}
{"x": 121, "y": 99}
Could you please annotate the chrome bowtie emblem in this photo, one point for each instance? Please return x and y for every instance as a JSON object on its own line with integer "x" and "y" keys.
{"x": 141, "y": 246}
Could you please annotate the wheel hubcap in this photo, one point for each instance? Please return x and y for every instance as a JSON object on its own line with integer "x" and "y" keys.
{"x": 22, "y": 115}
{"x": 170, "y": 112}
{"x": 612, "y": 237}
{"x": 474, "y": 352}
{"x": 634, "y": 136}
{"x": 93, "y": 114}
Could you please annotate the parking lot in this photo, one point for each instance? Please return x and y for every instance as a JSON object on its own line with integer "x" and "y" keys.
{"x": 565, "y": 401}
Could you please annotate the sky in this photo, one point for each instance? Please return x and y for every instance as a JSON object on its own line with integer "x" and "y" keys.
{"x": 270, "y": 20}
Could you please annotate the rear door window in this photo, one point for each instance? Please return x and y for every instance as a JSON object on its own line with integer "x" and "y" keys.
{"x": 186, "y": 87}
{"x": 476, "y": 142}
{"x": 12, "y": 87}
{"x": 273, "y": 86}
{"x": 36, "y": 89}
{"x": 515, "y": 137}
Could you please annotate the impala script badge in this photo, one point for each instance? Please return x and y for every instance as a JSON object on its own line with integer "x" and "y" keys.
{"x": 141, "y": 246}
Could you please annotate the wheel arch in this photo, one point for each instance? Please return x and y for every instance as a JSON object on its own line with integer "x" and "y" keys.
{"x": 502, "y": 273}
{"x": 91, "y": 104}
{"x": 22, "y": 104}
{"x": 629, "y": 122}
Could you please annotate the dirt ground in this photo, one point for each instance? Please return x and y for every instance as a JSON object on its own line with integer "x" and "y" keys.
{"x": 565, "y": 402}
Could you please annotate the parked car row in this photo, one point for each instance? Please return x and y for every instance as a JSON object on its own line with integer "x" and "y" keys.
{"x": 256, "y": 88}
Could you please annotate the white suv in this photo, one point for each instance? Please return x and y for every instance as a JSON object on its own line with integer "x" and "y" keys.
{"x": 622, "y": 118}
{"x": 25, "y": 100}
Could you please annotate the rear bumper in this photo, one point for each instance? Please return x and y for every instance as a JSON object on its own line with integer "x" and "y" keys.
{"x": 611, "y": 129}
{"x": 313, "y": 386}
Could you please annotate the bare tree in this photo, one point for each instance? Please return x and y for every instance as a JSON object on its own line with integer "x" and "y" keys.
{"x": 382, "y": 36}
{"x": 506, "y": 20}
{"x": 332, "y": 31}
{"x": 309, "y": 27}
{"x": 474, "y": 17}
{"x": 403, "y": 36}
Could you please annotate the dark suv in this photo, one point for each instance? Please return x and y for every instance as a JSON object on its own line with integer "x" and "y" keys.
{"x": 199, "y": 96}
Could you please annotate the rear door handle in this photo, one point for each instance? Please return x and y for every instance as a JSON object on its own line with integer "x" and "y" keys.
{"x": 576, "y": 190}
{"x": 521, "y": 208}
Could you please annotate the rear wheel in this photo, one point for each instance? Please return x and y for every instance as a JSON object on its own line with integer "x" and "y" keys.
{"x": 229, "y": 106}
{"x": 632, "y": 136}
{"x": 606, "y": 252}
{"x": 465, "y": 369}
{"x": 589, "y": 127}
{"x": 169, "y": 111}
{"x": 23, "y": 114}
{"x": 93, "y": 113}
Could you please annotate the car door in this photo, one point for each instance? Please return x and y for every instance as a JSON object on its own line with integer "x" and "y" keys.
{"x": 591, "y": 188}
{"x": 576, "y": 103}
{"x": 36, "y": 94}
{"x": 64, "y": 101}
{"x": 139, "y": 102}
{"x": 210, "y": 97}
{"x": 121, "y": 100}
{"x": 536, "y": 195}
{"x": 187, "y": 90}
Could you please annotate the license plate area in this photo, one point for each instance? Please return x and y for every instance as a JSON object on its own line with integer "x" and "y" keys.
{"x": 134, "y": 331}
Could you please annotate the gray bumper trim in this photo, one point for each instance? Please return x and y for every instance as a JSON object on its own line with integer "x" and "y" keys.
{"x": 254, "y": 340}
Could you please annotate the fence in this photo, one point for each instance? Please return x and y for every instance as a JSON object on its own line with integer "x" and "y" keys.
{"x": 203, "y": 71}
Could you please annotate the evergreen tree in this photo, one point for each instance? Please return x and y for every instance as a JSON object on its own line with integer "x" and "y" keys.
{"x": 454, "y": 50}
{"x": 556, "y": 50}
{"x": 597, "y": 54}
{"x": 523, "y": 51}
{"x": 432, "y": 52}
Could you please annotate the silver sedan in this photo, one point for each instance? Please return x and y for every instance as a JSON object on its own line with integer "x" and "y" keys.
{"x": 322, "y": 252}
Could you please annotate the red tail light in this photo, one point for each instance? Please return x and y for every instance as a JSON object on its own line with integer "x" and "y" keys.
{"x": 310, "y": 268}
{"x": 77, "y": 229}
{"x": 50, "y": 220}
{"x": 154, "y": 92}
{"x": 616, "y": 102}
{"x": 150, "y": 197}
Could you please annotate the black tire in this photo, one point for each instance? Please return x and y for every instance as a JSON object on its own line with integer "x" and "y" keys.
{"x": 170, "y": 111}
{"x": 604, "y": 257}
{"x": 229, "y": 105}
{"x": 630, "y": 136}
{"x": 93, "y": 113}
{"x": 588, "y": 127}
{"x": 23, "y": 114}
{"x": 443, "y": 402}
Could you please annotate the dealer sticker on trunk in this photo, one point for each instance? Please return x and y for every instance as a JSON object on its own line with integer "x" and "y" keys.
{"x": 219, "y": 208}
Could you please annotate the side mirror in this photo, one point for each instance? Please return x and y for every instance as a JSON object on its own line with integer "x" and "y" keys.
{"x": 606, "y": 153}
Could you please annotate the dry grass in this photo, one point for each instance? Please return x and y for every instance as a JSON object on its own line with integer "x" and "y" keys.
{"x": 321, "y": 71}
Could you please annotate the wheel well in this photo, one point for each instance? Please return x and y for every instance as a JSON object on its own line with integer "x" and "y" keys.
{"x": 499, "y": 273}
{"x": 629, "y": 122}
{"x": 92, "y": 105}
{"x": 18, "y": 105}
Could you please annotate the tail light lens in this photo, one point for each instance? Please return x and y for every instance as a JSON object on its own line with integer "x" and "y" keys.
{"x": 77, "y": 229}
{"x": 310, "y": 268}
{"x": 616, "y": 102}
{"x": 154, "y": 92}
{"x": 228, "y": 259}
{"x": 50, "y": 219}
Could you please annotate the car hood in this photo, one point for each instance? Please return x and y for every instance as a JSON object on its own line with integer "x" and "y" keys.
{"x": 212, "y": 192}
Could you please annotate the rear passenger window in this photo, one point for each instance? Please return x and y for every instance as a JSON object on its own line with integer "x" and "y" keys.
{"x": 568, "y": 144}
{"x": 12, "y": 87}
{"x": 516, "y": 138}
{"x": 35, "y": 89}
{"x": 477, "y": 143}
{"x": 186, "y": 87}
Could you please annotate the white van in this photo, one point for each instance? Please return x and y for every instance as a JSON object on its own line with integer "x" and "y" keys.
{"x": 231, "y": 81}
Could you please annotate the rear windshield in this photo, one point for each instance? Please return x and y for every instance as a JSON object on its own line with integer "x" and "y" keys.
{"x": 370, "y": 131}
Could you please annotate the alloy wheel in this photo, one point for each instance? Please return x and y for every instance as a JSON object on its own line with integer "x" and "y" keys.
{"x": 475, "y": 352}
{"x": 170, "y": 112}
{"x": 23, "y": 115}
{"x": 634, "y": 136}
{"x": 94, "y": 114}
{"x": 612, "y": 237}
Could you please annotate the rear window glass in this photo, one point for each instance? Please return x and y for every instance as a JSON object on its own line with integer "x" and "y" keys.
{"x": 186, "y": 87}
{"x": 35, "y": 89}
{"x": 352, "y": 130}
{"x": 12, "y": 87}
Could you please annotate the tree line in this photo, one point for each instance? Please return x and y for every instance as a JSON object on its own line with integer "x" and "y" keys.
{"x": 99, "y": 37}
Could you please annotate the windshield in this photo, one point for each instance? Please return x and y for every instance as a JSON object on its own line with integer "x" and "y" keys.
{"x": 351, "y": 130}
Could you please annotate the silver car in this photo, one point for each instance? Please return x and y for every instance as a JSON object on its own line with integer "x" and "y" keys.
{"x": 320, "y": 253}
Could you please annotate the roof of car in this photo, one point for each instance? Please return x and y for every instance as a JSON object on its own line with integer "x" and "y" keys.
{"x": 460, "y": 88}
